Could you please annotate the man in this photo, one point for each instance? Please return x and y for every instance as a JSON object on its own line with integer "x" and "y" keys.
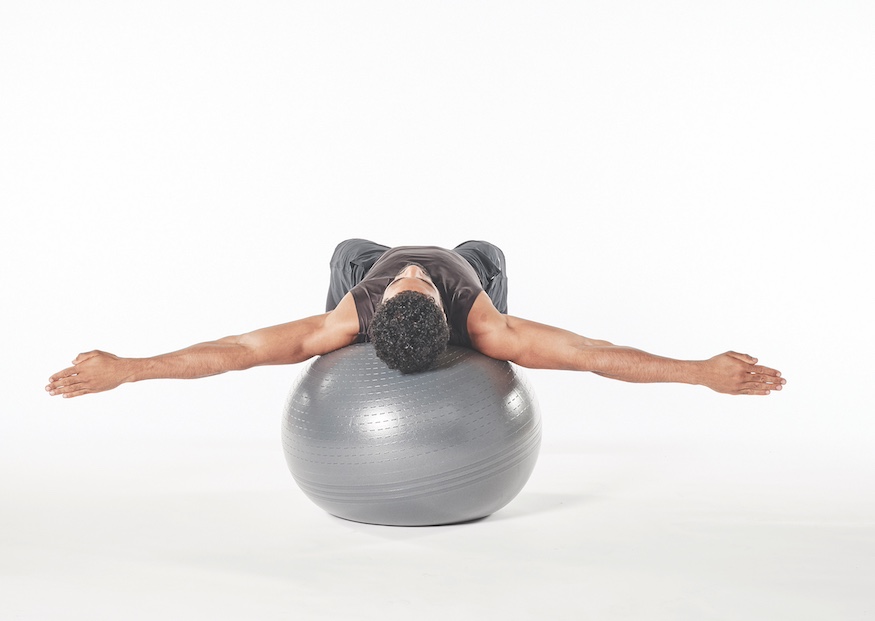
{"x": 410, "y": 302}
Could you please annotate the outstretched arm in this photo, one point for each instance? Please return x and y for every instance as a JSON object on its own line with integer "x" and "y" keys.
{"x": 539, "y": 346}
{"x": 288, "y": 343}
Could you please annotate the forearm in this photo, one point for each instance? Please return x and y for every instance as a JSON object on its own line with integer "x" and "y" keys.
{"x": 574, "y": 353}
{"x": 633, "y": 365}
{"x": 201, "y": 360}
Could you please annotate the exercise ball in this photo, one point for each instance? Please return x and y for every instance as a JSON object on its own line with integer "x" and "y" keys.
{"x": 370, "y": 444}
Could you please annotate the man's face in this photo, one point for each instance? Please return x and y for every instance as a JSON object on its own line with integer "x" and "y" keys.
{"x": 413, "y": 278}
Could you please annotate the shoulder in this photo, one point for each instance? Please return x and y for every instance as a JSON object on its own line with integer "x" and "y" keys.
{"x": 343, "y": 322}
{"x": 485, "y": 323}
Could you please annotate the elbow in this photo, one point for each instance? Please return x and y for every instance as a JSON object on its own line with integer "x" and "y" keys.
{"x": 593, "y": 358}
{"x": 241, "y": 354}
{"x": 244, "y": 359}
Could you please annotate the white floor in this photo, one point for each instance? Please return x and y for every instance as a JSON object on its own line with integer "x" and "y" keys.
{"x": 628, "y": 529}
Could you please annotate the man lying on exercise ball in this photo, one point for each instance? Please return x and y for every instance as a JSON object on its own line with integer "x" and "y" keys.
{"x": 410, "y": 302}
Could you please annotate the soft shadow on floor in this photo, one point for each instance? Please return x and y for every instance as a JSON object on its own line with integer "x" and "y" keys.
{"x": 538, "y": 503}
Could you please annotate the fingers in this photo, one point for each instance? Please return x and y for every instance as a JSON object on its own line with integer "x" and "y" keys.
{"x": 749, "y": 388}
{"x": 762, "y": 380}
{"x": 765, "y": 378}
{"x": 766, "y": 371}
{"x": 74, "y": 393}
{"x": 761, "y": 384}
{"x": 77, "y": 393}
{"x": 62, "y": 374}
{"x": 71, "y": 380}
{"x": 65, "y": 385}
{"x": 68, "y": 392}
{"x": 71, "y": 390}
{"x": 753, "y": 391}
{"x": 757, "y": 379}
{"x": 742, "y": 357}
{"x": 65, "y": 382}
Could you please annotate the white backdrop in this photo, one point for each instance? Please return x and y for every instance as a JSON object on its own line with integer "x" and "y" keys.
{"x": 685, "y": 178}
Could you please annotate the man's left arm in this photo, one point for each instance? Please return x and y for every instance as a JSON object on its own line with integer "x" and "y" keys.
{"x": 539, "y": 346}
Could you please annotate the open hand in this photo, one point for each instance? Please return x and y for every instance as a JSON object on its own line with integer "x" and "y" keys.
{"x": 739, "y": 374}
{"x": 94, "y": 371}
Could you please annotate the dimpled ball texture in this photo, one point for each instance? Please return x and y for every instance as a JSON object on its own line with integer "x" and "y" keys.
{"x": 448, "y": 445}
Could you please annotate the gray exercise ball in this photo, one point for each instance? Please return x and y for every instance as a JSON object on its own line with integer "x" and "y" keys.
{"x": 370, "y": 444}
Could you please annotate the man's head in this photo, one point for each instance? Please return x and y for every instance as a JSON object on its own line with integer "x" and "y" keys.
{"x": 409, "y": 329}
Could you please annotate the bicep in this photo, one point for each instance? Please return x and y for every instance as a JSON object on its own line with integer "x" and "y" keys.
{"x": 541, "y": 346}
{"x": 531, "y": 344}
{"x": 302, "y": 339}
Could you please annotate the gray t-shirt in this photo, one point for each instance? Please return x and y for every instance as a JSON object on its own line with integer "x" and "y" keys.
{"x": 455, "y": 279}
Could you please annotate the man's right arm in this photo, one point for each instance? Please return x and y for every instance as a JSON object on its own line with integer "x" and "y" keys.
{"x": 288, "y": 343}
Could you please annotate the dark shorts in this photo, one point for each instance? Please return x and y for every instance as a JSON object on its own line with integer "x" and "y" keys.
{"x": 353, "y": 258}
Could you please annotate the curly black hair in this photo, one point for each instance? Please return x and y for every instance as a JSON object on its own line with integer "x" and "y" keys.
{"x": 409, "y": 331}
